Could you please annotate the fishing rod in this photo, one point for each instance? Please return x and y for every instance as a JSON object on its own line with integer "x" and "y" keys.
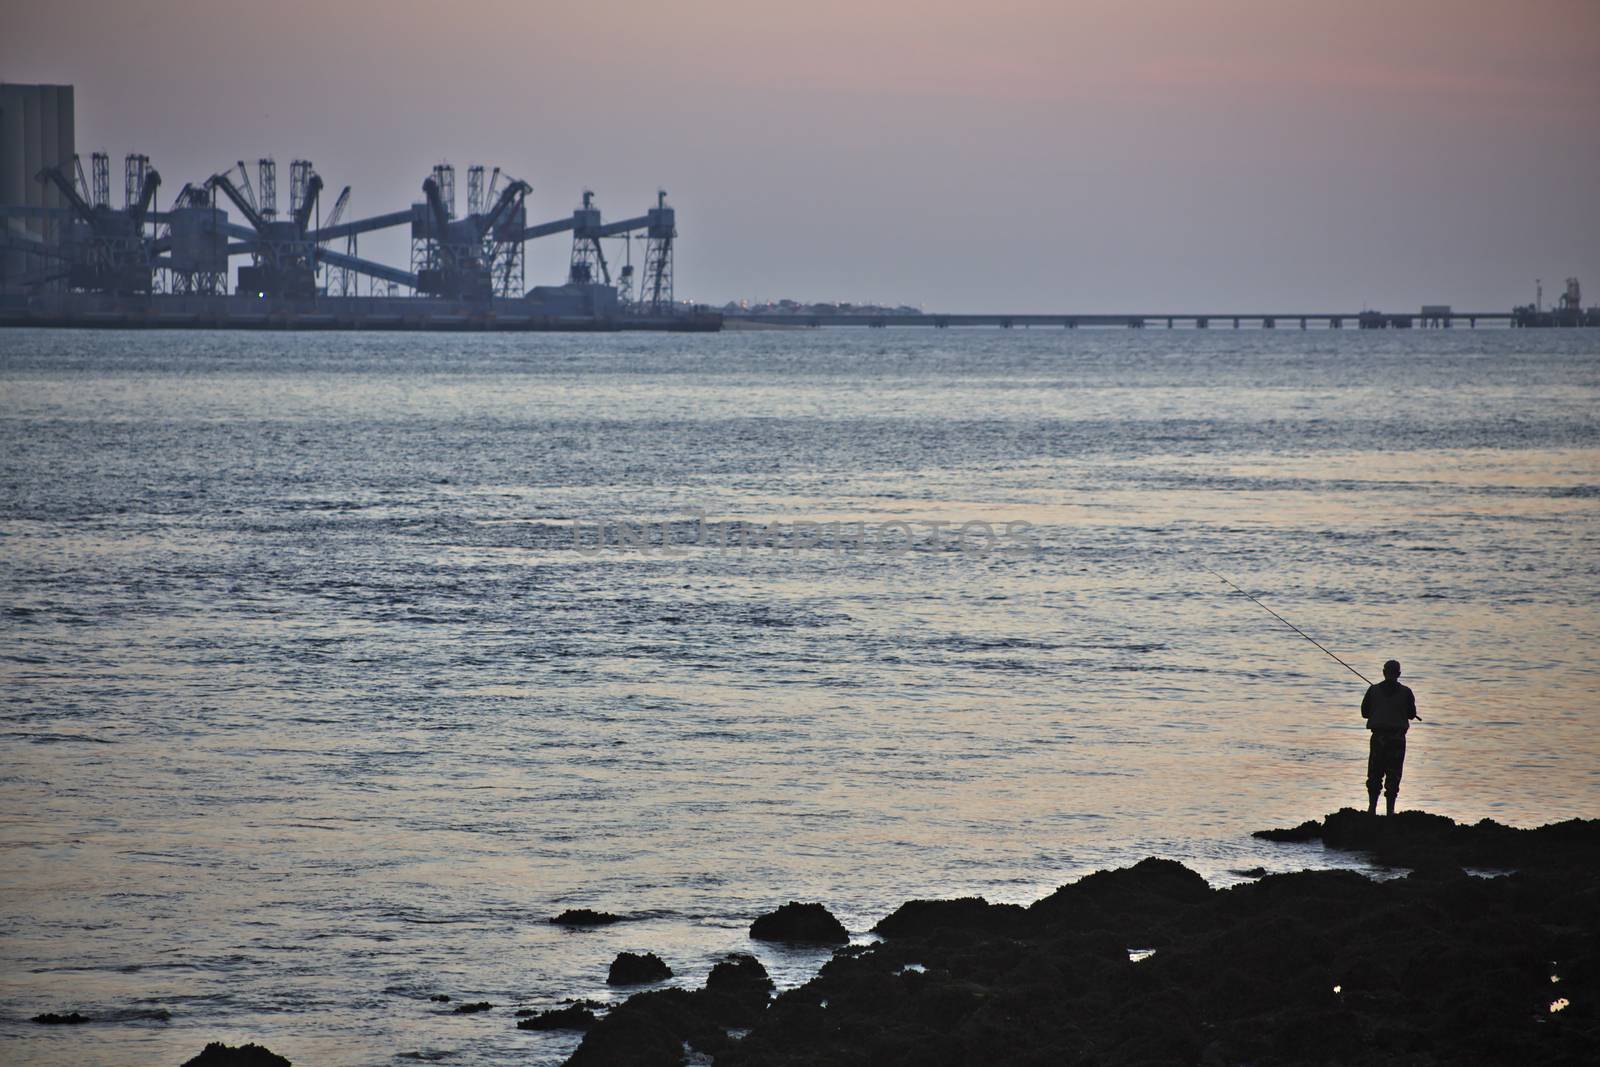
{"x": 1286, "y": 622}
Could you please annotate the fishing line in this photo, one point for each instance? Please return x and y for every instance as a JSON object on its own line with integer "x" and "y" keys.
{"x": 1287, "y": 623}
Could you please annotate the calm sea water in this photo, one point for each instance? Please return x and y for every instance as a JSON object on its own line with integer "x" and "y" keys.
{"x": 319, "y": 698}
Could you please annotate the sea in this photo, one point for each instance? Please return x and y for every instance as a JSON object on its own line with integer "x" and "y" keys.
{"x": 336, "y": 664}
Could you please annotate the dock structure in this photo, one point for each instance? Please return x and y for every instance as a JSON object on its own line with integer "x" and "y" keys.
{"x": 164, "y": 311}
{"x": 1270, "y": 320}
{"x": 69, "y": 256}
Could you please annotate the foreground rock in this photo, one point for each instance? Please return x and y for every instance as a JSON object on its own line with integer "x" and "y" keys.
{"x": 651, "y": 1029}
{"x": 1318, "y": 967}
{"x": 585, "y": 917}
{"x": 217, "y": 1054}
{"x": 473, "y": 1009}
{"x": 575, "y": 1017}
{"x": 1417, "y": 839}
{"x": 50, "y": 1018}
{"x": 800, "y": 924}
{"x": 630, "y": 968}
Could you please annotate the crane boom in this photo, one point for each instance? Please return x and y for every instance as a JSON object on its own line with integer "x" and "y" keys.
{"x": 441, "y": 218}
{"x": 79, "y": 204}
{"x": 244, "y": 183}
{"x": 513, "y": 192}
{"x": 220, "y": 181}
{"x": 147, "y": 196}
{"x": 308, "y": 203}
{"x": 338, "y": 209}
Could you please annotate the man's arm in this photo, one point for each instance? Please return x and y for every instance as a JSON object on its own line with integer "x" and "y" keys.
{"x": 1366, "y": 704}
{"x": 1411, "y": 705}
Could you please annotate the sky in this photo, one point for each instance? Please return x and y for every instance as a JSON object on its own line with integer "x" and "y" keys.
{"x": 1011, "y": 155}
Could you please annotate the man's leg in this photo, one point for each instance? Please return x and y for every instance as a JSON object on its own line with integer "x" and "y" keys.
{"x": 1375, "y": 767}
{"x": 1396, "y": 764}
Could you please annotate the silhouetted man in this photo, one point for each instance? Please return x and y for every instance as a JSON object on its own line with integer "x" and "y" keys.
{"x": 1388, "y": 708}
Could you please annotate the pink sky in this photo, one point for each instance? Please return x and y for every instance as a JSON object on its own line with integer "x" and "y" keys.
{"x": 1004, "y": 155}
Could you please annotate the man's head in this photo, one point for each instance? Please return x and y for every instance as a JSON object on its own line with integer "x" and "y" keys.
{"x": 1391, "y": 670}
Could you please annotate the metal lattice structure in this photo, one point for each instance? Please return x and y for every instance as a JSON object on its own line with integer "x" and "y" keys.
{"x": 655, "y": 294}
{"x": 100, "y": 179}
{"x": 625, "y": 274}
{"x": 507, "y": 268}
{"x": 475, "y": 189}
{"x": 267, "y": 200}
{"x": 134, "y": 167}
{"x": 299, "y": 180}
{"x": 588, "y": 262}
{"x": 445, "y": 175}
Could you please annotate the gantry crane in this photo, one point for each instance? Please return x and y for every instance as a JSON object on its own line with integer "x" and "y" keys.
{"x": 283, "y": 260}
{"x": 107, "y": 250}
{"x": 459, "y": 254}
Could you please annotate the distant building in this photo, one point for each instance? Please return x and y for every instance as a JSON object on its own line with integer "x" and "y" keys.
{"x": 37, "y": 130}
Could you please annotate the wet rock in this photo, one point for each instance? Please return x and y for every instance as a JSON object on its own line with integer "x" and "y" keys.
{"x": 737, "y": 990}
{"x": 630, "y": 968}
{"x": 1310, "y": 830}
{"x": 442, "y": 998}
{"x": 1143, "y": 901}
{"x": 1312, "y": 967}
{"x": 1249, "y": 872}
{"x": 650, "y": 1030}
{"x": 800, "y": 924}
{"x": 574, "y": 1017}
{"x": 473, "y": 1009}
{"x": 50, "y": 1018}
{"x": 585, "y": 917}
{"x": 918, "y": 918}
{"x": 216, "y": 1054}
{"x": 1418, "y": 839}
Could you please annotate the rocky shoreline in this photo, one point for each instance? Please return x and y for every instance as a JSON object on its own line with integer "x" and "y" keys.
{"x": 1150, "y": 965}
{"x": 1481, "y": 950}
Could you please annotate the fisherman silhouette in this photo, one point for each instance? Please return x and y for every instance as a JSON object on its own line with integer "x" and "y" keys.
{"x": 1388, "y": 708}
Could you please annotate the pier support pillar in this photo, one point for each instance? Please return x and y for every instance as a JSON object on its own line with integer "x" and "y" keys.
{"x": 1269, "y": 324}
{"x": 1236, "y": 323}
{"x": 1202, "y": 324}
{"x": 1302, "y": 322}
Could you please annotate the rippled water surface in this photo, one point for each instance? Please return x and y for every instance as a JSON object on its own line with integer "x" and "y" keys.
{"x": 319, "y": 697}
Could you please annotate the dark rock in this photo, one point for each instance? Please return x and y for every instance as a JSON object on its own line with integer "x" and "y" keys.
{"x": 1310, "y": 830}
{"x": 1250, "y": 872}
{"x": 1436, "y": 968}
{"x": 50, "y": 1018}
{"x": 442, "y": 998}
{"x": 917, "y": 918}
{"x": 737, "y": 990}
{"x": 473, "y": 1009}
{"x": 630, "y": 968}
{"x": 650, "y": 1030}
{"x": 216, "y": 1054}
{"x": 585, "y": 917}
{"x": 800, "y": 924}
{"x": 1420, "y": 839}
{"x": 569, "y": 1018}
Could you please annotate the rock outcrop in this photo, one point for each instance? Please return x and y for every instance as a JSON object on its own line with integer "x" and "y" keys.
{"x": 631, "y": 968}
{"x": 800, "y": 924}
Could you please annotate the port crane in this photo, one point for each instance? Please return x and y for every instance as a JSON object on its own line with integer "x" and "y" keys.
{"x": 461, "y": 252}
{"x": 109, "y": 251}
{"x": 283, "y": 261}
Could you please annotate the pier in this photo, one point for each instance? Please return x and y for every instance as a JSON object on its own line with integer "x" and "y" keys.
{"x": 1266, "y": 320}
